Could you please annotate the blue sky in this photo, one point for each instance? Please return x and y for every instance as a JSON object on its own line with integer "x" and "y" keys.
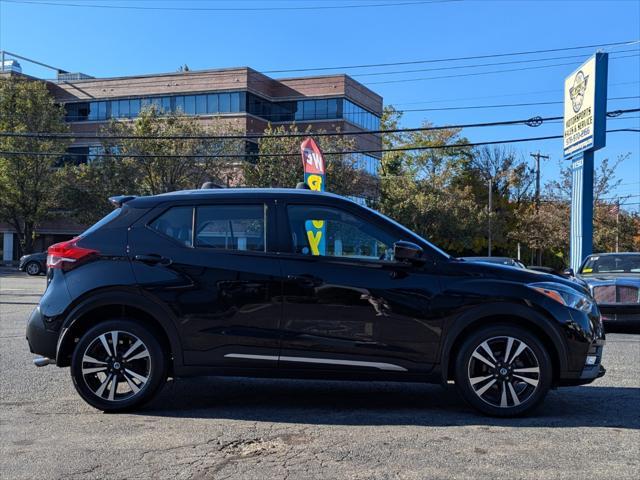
{"x": 113, "y": 42}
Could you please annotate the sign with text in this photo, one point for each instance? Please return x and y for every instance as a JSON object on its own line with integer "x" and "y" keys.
{"x": 314, "y": 175}
{"x": 585, "y": 106}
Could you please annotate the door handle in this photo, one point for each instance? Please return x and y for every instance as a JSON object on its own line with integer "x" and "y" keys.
{"x": 153, "y": 259}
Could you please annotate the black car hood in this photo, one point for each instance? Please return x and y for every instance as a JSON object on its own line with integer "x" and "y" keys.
{"x": 512, "y": 274}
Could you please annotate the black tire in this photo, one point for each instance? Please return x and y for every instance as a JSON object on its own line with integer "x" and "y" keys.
{"x": 33, "y": 268}
{"x": 151, "y": 365}
{"x": 507, "y": 394}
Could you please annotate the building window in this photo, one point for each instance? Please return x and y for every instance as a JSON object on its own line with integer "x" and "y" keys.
{"x": 75, "y": 112}
{"x": 228, "y": 102}
{"x": 359, "y": 116}
{"x": 123, "y": 107}
{"x": 224, "y": 102}
{"x": 134, "y": 107}
{"x": 368, "y": 163}
{"x": 190, "y": 105}
{"x": 201, "y": 104}
{"x": 179, "y": 105}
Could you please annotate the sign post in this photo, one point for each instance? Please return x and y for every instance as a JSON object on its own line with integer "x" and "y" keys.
{"x": 314, "y": 175}
{"x": 585, "y": 125}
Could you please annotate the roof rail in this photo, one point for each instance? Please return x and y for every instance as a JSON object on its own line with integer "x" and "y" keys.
{"x": 208, "y": 185}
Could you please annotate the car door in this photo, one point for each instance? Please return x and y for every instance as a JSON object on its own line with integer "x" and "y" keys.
{"x": 211, "y": 264}
{"x": 348, "y": 306}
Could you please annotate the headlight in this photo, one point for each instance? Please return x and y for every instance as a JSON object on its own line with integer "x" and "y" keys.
{"x": 564, "y": 295}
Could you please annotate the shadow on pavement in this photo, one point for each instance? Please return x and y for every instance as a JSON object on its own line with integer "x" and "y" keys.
{"x": 359, "y": 403}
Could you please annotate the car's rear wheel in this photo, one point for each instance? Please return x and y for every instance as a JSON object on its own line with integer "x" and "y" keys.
{"x": 503, "y": 370}
{"x": 118, "y": 365}
{"x": 33, "y": 268}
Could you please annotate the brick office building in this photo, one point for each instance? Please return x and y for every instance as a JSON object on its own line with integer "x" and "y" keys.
{"x": 242, "y": 98}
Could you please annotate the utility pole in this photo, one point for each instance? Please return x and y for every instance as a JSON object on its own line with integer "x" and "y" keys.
{"x": 617, "y": 224}
{"x": 537, "y": 157}
{"x": 490, "y": 210}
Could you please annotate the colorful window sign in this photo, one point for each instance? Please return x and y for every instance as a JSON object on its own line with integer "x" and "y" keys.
{"x": 314, "y": 176}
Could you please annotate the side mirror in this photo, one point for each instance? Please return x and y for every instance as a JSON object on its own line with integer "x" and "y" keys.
{"x": 408, "y": 252}
{"x": 569, "y": 272}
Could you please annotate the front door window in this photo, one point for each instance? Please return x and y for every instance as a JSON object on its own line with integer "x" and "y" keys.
{"x": 339, "y": 234}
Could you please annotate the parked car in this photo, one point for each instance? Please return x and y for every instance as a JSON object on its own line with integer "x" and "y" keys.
{"x": 300, "y": 284}
{"x": 614, "y": 280}
{"x": 508, "y": 261}
{"x": 34, "y": 264}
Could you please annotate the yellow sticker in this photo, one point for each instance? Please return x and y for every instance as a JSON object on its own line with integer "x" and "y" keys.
{"x": 315, "y": 182}
{"x": 587, "y": 270}
{"x": 314, "y": 241}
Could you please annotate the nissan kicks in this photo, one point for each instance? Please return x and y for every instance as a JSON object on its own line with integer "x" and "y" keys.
{"x": 300, "y": 284}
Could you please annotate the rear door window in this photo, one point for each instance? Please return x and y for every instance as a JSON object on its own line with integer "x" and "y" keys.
{"x": 231, "y": 227}
{"x": 175, "y": 223}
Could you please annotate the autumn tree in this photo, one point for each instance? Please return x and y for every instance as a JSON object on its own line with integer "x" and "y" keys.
{"x": 28, "y": 180}
{"x": 166, "y": 160}
{"x": 279, "y": 163}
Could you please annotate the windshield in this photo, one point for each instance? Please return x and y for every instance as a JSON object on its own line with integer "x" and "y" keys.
{"x": 627, "y": 263}
{"x": 106, "y": 219}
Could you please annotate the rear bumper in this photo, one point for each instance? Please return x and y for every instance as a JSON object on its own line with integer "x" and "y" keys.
{"x": 41, "y": 340}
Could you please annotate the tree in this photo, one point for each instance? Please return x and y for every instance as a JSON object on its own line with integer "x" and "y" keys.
{"x": 611, "y": 222}
{"x": 279, "y": 163}
{"x": 420, "y": 188}
{"x": 27, "y": 181}
{"x": 86, "y": 188}
{"x": 169, "y": 164}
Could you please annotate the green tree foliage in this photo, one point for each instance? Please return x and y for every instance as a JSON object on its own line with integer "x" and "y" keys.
{"x": 172, "y": 163}
{"x": 28, "y": 182}
{"x": 148, "y": 166}
{"x": 421, "y": 189}
{"x": 548, "y": 229}
{"x": 280, "y": 163}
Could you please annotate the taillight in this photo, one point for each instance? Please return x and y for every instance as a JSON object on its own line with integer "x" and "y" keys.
{"x": 66, "y": 255}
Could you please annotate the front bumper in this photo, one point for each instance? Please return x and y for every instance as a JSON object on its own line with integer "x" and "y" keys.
{"x": 41, "y": 340}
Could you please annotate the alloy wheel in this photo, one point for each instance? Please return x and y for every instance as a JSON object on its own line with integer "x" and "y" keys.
{"x": 33, "y": 268}
{"x": 116, "y": 365}
{"x": 504, "y": 371}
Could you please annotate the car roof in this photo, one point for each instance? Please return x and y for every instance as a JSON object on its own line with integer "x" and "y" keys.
{"x": 612, "y": 254}
{"x": 209, "y": 193}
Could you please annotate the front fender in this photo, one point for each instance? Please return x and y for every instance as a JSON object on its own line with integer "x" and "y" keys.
{"x": 486, "y": 313}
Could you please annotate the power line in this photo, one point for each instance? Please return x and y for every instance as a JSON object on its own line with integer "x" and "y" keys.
{"x": 459, "y": 75}
{"x": 519, "y": 94}
{"x": 348, "y": 152}
{"x": 455, "y": 59}
{"x": 505, "y": 105}
{"x": 230, "y": 9}
{"x": 531, "y": 122}
{"x": 457, "y": 67}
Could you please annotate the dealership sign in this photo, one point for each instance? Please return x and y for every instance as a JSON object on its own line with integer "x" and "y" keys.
{"x": 585, "y": 106}
{"x": 314, "y": 174}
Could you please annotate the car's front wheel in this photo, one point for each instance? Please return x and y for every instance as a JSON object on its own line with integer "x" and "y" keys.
{"x": 118, "y": 365}
{"x": 503, "y": 370}
{"x": 33, "y": 268}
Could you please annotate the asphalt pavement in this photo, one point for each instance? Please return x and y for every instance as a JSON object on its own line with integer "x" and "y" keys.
{"x": 204, "y": 428}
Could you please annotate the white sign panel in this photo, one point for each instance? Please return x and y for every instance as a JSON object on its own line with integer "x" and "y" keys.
{"x": 579, "y": 108}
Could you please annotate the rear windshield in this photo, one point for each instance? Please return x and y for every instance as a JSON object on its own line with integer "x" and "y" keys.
{"x": 612, "y": 264}
{"x": 100, "y": 223}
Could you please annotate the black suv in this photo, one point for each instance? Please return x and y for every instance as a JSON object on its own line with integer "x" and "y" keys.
{"x": 300, "y": 284}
